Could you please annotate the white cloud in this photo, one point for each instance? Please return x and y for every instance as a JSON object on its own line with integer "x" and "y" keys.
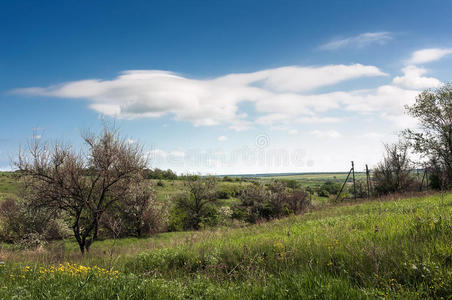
{"x": 326, "y": 134}
{"x": 176, "y": 153}
{"x": 222, "y": 138}
{"x": 293, "y": 132}
{"x": 153, "y": 93}
{"x": 428, "y": 55}
{"x": 359, "y": 41}
{"x": 317, "y": 120}
{"x": 159, "y": 155}
{"x": 372, "y": 135}
{"x": 412, "y": 79}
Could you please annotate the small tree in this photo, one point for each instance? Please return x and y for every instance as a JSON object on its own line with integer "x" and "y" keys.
{"x": 83, "y": 185}
{"x": 195, "y": 204}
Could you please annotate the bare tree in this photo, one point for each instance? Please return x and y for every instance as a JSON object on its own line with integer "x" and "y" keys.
{"x": 82, "y": 185}
{"x": 393, "y": 174}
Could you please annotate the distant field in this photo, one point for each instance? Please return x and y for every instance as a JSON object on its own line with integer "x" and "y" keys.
{"x": 315, "y": 179}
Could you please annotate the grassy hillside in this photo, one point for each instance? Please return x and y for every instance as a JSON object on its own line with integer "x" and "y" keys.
{"x": 377, "y": 249}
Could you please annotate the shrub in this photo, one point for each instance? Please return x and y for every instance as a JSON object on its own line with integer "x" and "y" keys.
{"x": 361, "y": 188}
{"x": 274, "y": 202}
{"x": 324, "y": 193}
{"x": 291, "y": 183}
{"x": 331, "y": 187}
{"x": 228, "y": 179}
{"x": 138, "y": 213}
{"x": 224, "y": 194}
{"x": 21, "y": 224}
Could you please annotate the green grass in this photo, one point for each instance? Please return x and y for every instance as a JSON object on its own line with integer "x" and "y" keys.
{"x": 9, "y": 186}
{"x": 370, "y": 250}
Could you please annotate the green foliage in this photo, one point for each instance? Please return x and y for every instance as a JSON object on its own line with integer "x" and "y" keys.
{"x": 330, "y": 187}
{"x": 178, "y": 219}
{"x": 433, "y": 135}
{"x": 228, "y": 179}
{"x": 196, "y": 205}
{"x": 274, "y": 201}
{"x": 227, "y": 191}
{"x": 291, "y": 183}
{"x": 160, "y": 174}
{"x": 323, "y": 193}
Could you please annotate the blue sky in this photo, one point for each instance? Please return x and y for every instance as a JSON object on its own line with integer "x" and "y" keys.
{"x": 222, "y": 86}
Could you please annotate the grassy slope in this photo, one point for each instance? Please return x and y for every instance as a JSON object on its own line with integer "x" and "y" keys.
{"x": 398, "y": 249}
{"x": 8, "y": 185}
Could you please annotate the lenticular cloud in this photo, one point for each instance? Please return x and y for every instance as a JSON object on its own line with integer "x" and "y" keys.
{"x": 154, "y": 93}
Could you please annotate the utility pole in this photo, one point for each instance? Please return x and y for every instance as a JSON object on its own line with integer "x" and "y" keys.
{"x": 343, "y": 185}
{"x": 354, "y": 187}
{"x": 368, "y": 181}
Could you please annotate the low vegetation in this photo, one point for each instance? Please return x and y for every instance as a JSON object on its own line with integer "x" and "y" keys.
{"x": 376, "y": 249}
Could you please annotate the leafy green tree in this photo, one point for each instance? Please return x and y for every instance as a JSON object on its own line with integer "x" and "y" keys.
{"x": 196, "y": 205}
{"x": 433, "y": 138}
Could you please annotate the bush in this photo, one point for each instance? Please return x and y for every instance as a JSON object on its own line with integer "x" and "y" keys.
{"x": 324, "y": 193}
{"x": 227, "y": 192}
{"x": 224, "y": 194}
{"x": 22, "y": 224}
{"x": 137, "y": 214}
{"x": 274, "y": 202}
{"x": 332, "y": 188}
{"x": 291, "y": 183}
{"x": 361, "y": 188}
{"x": 228, "y": 179}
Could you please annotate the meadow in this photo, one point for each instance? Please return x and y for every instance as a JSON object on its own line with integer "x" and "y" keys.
{"x": 367, "y": 249}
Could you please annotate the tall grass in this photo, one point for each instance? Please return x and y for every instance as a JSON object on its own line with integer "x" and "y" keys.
{"x": 376, "y": 249}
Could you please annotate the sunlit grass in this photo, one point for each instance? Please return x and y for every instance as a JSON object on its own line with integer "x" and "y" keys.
{"x": 374, "y": 249}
